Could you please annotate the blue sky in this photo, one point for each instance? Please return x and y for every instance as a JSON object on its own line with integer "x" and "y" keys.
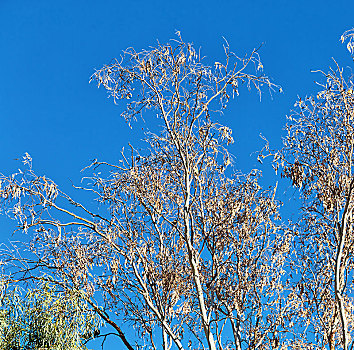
{"x": 49, "y": 50}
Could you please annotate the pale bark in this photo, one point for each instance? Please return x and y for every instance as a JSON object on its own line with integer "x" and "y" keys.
{"x": 340, "y": 267}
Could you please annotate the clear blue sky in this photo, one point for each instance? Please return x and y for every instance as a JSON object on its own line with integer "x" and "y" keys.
{"x": 49, "y": 49}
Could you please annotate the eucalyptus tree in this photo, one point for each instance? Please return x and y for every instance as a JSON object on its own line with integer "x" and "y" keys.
{"x": 43, "y": 318}
{"x": 184, "y": 248}
{"x": 318, "y": 158}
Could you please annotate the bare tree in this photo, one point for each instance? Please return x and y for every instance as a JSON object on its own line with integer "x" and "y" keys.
{"x": 188, "y": 251}
{"x": 318, "y": 158}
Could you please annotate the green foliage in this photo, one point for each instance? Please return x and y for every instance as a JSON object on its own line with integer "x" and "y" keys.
{"x": 45, "y": 318}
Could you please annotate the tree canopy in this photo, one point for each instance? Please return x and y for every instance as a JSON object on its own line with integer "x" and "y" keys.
{"x": 190, "y": 251}
{"x": 43, "y": 318}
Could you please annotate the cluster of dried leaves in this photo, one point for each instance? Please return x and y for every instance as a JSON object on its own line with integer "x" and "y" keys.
{"x": 190, "y": 253}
